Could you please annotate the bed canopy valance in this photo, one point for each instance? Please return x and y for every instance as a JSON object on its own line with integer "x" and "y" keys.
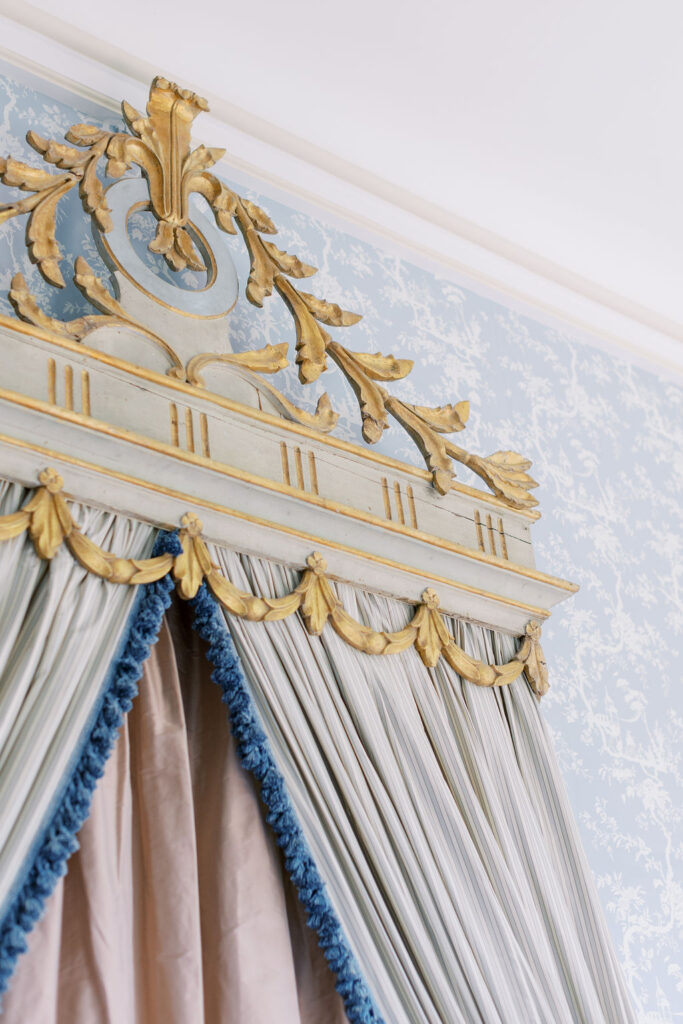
{"x": 351, "y": 605}
{"x": 135, "y": 386}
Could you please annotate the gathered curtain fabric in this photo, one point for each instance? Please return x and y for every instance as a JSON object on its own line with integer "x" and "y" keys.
{"x": 437, "y": 818}
{"x": 176, "y": 908}
{"x": 432, "y": 811}
{"x": 60, "y": 630}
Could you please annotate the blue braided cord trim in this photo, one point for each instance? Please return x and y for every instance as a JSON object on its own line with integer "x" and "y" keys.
{"x": 59, "y": 840}
{"x": 256, "y": 757}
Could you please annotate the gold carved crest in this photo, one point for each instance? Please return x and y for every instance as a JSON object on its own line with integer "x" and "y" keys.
{"x": 159, "y": 145}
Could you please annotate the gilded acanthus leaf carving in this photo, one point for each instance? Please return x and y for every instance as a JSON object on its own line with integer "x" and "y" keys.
{"x": 289, "y": 264}
{"x": 445, "y": 419}
{"x": 193, "y": 564}
{"x": 259, "y": 218}
{"x": 329, "y": 312}
{"x": 504, "y": 472}
{"x": 371, "y": 397}
{"x": 254, "y": 609}
{"x": 41, "y": 207}
{"x": 50, "y": 519}
{"x": 380, "y": 367}
{"x": 159, "y": 144}
{"x": 311, "y": 339}
{"x": 110, "y": 567}
{"x": 83, "y": 163}
{"x": 426, "y": 433}
{"x": 535, "y": 665}
{"x": 48, "y": 189}
{"x": 19, "y": 175}
{"x": 27, "y": 308}
{"x": 269, "y": 359}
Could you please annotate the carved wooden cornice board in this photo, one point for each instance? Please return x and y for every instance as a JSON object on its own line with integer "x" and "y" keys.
{"x": 143, "y": 407}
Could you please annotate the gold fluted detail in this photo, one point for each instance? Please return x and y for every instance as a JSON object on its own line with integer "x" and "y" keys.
{"x": 48, "y": 520}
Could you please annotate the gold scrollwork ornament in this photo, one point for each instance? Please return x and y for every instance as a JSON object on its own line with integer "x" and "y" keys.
{"x": 159, "y": 145}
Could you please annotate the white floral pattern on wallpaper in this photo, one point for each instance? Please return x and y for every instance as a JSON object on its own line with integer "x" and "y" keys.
{"x": 606, "y": 439}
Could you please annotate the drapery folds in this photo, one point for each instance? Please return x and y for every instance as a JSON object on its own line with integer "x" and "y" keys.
{"x": 70, "y": 656}
{"x": 47, "y": 519}
{"x": 420, "y": 817}
{"x": 436, "y": 816}
{"x": 108, "y": 696}
{"x": 177, "y": 907}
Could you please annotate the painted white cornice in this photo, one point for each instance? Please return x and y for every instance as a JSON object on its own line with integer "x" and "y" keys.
{"x": 42, "y": 45}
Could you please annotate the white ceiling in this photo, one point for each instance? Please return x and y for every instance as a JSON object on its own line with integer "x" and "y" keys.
{"x": 556, "y": 124}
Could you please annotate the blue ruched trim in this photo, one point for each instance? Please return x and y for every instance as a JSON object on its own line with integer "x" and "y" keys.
{"x": 59, "y": 840}
{"x": 256, "y": 757}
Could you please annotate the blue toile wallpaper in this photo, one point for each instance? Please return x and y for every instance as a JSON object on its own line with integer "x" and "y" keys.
{"x": 606, "y": 440}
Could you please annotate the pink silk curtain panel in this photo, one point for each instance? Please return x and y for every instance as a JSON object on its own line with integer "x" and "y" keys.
{"x": 176, "y": 908}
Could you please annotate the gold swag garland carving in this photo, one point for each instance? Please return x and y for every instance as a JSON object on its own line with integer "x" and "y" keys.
{"x": 49, "y": 522}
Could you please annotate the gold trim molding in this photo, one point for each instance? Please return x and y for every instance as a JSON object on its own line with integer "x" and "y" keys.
{"x": 49, "y": 523}
{"x": 534, "y": 611}
{"x": 301, "y": 429}
{"x": 281, "y": 488}
{"x": 159, "y": 145}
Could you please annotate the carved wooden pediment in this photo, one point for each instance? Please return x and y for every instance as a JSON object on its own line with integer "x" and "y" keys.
{"x": 143, "y": 406}
{"x": 153, "y": 167}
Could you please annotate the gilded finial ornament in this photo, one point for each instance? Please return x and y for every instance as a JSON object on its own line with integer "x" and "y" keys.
{"x": 158, "y": 143}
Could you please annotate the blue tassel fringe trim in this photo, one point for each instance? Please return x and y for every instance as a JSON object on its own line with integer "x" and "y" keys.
{"x": 59, "y": 841}
{"x": 256, "y": 757}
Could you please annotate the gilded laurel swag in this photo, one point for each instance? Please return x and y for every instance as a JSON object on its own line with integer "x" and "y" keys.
{"x": 159, "y": 144}
{"x": 48, "y": 520}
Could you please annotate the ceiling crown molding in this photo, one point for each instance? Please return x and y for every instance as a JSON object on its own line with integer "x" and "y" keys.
{"x": 41, "y": 45}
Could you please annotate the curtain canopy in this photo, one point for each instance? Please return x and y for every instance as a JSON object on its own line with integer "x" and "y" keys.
{"x": 421, "y": 818}
{"x": 60, "y": 631}
{"x": 437, "y": 817}
{"x": 176, "y": 908}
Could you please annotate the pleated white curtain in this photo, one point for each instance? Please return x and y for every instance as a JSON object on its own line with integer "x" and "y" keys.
{"x": 176, "y": 908}
{"x": 433, "y": 809}
{"x": 437, "y": 818}
{"x": 61, "y": 628}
